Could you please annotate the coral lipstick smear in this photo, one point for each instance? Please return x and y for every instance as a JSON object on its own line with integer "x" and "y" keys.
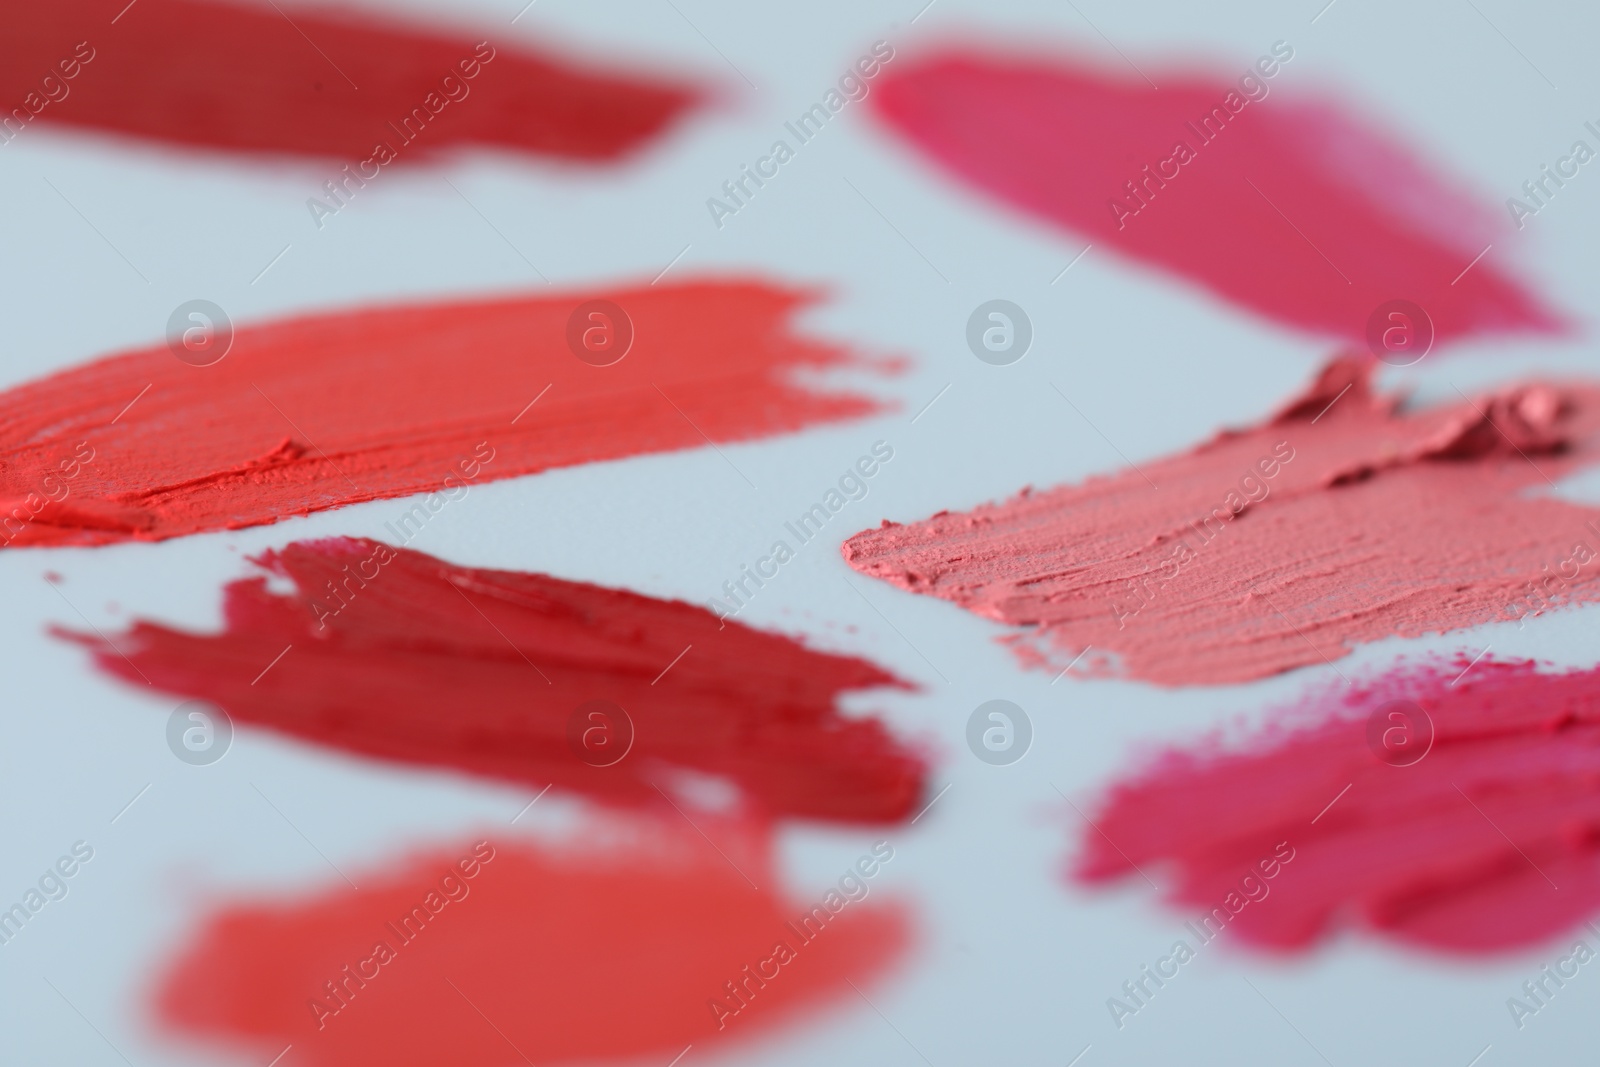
{"x": 332, "y": 409}
{"x": 246, "y": 78}
{"x": 1345, "y": 518}
{"x": 1452, "y": 805}
{"x": 401, "y": 656}
{"x": 1295, "y": 210}
{"x": 502, "y": 953}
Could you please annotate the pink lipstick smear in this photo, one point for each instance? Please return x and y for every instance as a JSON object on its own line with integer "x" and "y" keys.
{"x": 347, "y": 85}
{"x": 1293, "y": 209}
{"x": 396, "y": 655}
{"x": 1347, "y": 517}
{"x": 337, "y": 408}
{"x": 503, "y": 953}
{"x": 1450, "y": 805}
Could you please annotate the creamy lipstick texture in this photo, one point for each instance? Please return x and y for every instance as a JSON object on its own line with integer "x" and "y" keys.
{"x": 1286, "y": 205}
{"x": 404, "y": 657}
{"x": 325, "y": 410}
{"x": 1490, "y": 841}
{"x": 1347, "y": 517}
{"x": 545, "y": 953}
{"x": 314, "y": 81}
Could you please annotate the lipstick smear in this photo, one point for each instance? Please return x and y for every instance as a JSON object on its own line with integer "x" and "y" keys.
{"x": 544, "y": 954}
{"x": 329, "y": 84}
{"x": 327, "y": 410}
{"x": 1293, "y": 209}
{"x": 1346, "y": 517}
{"x": 403, "y": 657}
{"x": 1485, "y": 838}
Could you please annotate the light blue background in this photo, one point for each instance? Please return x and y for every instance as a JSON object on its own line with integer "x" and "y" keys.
{"x": 1014, "y": 966}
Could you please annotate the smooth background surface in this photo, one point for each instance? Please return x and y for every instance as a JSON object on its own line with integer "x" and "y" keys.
{"x": 1014, "y": 966}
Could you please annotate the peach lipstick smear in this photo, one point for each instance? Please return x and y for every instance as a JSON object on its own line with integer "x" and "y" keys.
{"x": 1448, "y": 805}
{"x": 504, "y": 952}
{"x": 338, "y": 85}
{"x": 1202, "y": 178}
{"x": 341, "y": 407}
{"x": 525, "y": 678}
{"x": 1347, "y": 517}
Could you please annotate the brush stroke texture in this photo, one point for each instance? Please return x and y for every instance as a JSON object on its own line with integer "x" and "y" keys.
{"x": 1294, "y": 210}
{"x": 1344, "y": 518}
{"x": 549, "y": 954}
{"x": 404, "y": 657}
{"x": 312, "y": 82}
{"x": 1462, "y": 852}
{"x": 326, "y": 410}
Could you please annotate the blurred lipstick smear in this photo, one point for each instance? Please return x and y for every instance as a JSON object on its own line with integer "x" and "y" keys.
{"x": 501, "y": 952}
{"x": 530, "y": 679}
{"x": 1451, "y": 805}
{"x": 312, "y": 81}
{"x": 1292, "y": 208}
{"x": 340, "y": 407}
{"x": 1343, "y": 518}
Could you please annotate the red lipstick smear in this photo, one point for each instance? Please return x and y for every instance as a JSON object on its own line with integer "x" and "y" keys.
{"x": 330, "y": 84}
{"x": 1343, "y": 519}
{"x": 319, "y": 412}
{"x": 1294, "y": 210}
{"x": 545, "y": 954}
{"x": 401, "y": 656}
{"x": 1461, "y": 850}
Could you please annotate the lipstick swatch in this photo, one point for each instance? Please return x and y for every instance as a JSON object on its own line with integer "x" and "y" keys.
{"x": 1489, "y": 841}
{"x": 318, "y": 412}
{"x": 1342, "y": 519}
{"x": 1294, "y": 210}
{"x": 330, "y": 84}
{"x": 401, "y": 656}
{"x": 544, "y": 954}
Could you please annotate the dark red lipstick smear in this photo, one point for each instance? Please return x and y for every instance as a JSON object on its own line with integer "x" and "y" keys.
{"x": 1293, "y": 209}
{"x": 341, "y": 407}
{"x": 325, "y": 83}
{"x": 1450, "y": 805}
{"x": 396, "y": 655}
